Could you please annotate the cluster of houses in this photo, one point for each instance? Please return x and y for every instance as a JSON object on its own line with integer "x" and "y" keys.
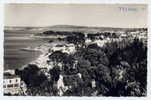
{"x": 101, "y": 38}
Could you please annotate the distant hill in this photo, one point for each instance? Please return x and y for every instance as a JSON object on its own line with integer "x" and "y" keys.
{"x": 69, "y": 28}
{"x": 85, "y": 28}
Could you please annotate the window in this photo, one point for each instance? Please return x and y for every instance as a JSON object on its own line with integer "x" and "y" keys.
{"x": 16, "y": 85}
{"x": 16, "y": 80}
{"x": 4, "y": 86}
{"x": 10, "y": 81}
{"x": 10, "y": 85}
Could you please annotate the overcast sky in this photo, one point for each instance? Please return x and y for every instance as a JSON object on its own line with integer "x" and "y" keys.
{"x": 76, "y": 14}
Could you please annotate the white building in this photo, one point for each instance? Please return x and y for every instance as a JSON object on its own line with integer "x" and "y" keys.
{"x": 12, "y": 84}
{"x": 88, "y": 41}
{"x": 68, "y": 48}
{"x": 100, "y": 43}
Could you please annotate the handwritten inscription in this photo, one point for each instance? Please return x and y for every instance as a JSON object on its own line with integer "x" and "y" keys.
{"x": 127, "y": 9}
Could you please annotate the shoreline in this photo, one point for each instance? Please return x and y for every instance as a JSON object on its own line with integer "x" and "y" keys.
{"x": 41, "y": 59}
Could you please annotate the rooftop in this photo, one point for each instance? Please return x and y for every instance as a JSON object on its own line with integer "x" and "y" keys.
{"x": 10, "y": 76}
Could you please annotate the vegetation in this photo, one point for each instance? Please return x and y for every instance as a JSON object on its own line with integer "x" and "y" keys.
{"x": 118, "y": 69}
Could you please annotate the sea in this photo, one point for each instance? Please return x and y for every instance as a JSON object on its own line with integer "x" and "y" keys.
{"x": 14, "y": 41}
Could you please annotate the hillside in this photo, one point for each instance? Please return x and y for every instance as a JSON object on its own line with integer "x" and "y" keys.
{"x": 68, "y": 28}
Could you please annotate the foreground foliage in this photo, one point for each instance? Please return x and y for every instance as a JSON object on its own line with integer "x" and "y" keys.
{"x": 118, "y": 68}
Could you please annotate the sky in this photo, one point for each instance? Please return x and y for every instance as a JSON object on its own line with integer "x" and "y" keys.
{"x": 100, "y": 15}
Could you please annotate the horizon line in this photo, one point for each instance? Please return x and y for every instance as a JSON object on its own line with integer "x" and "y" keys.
{"x": 74, "y": 25}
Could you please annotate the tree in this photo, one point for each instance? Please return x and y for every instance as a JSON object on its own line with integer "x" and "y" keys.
{"x": 78, "y": 39}
{"x": 58, "y": 56}
{"x": 96, "y": 56}
{"x": 55, "y": 72}
{"x": 103, "y": 75}
{"x": 83, "y": 64}
{"x": 32, "y": 76}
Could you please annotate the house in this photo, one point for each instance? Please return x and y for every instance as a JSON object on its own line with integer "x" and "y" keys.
{"x": 65, "y": 48}
{"x": 58, "y": 48}
{"x": 123, "y": 36}
{"x": 12, "y": 84}
{"x": 88, "y": 41}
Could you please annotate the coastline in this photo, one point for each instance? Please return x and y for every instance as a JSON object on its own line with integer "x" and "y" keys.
{"x": 40, "y": 61}
{"x": 25, "y": 65}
